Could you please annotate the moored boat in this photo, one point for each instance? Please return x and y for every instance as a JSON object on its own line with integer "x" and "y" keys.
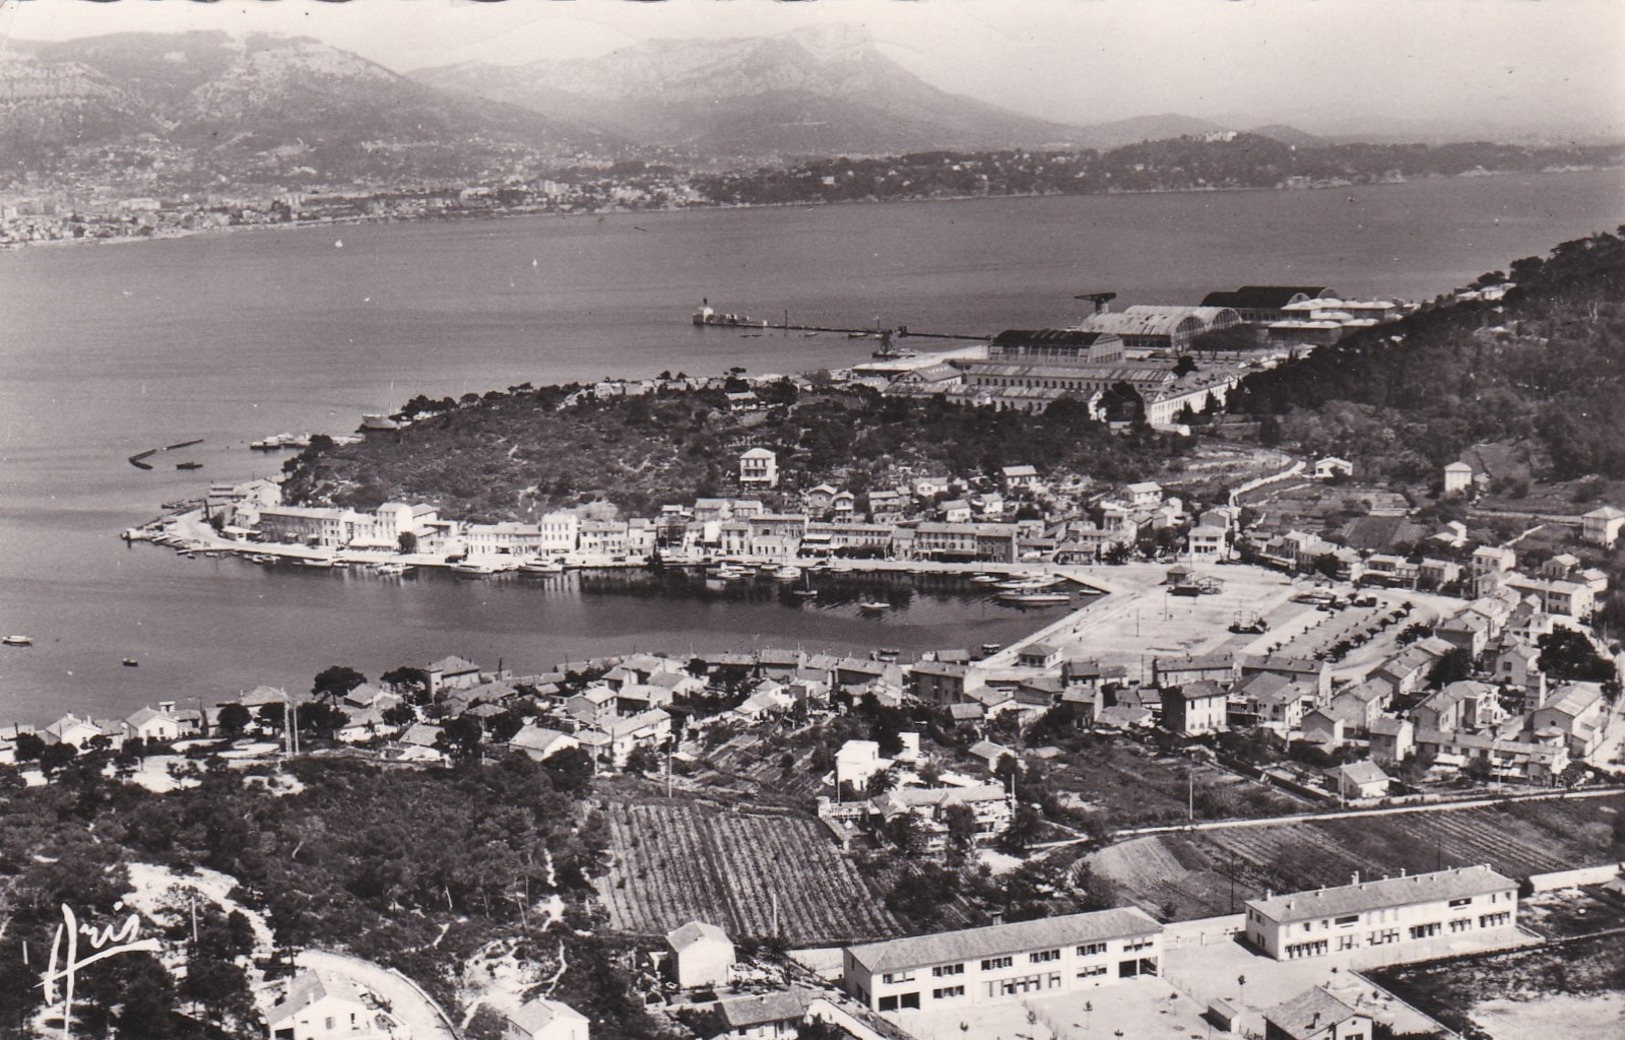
{"x": 541, "y": 567}
{"x": 1033, "y": 599}
{"x": 873, "y": 606}
{"x": 17, "y": 641}
{"x": 473, "y": 569}
{"x": 789, "y": 572}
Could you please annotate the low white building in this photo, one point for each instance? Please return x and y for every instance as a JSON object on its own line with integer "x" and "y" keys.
{"x": 1463, "y": 902}
{"x": 319, "y": 1006}
{"x": 543, "y": 1019}
{"x": 975, "y": 966}
{"x": 702, "y": 955}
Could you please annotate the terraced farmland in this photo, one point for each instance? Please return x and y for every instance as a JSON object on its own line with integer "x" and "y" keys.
{"x": 1189, "y": 874}
{"x": 680, "y": 861}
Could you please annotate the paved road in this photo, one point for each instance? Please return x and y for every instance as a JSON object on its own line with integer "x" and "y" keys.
{"x": 407, "y": 1002}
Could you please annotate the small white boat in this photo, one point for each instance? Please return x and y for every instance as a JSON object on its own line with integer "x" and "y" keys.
{"x": 873, "y": 606}
{"x": 1029, "y": 584}
{"x": 389, "y": 568}
{"x": 319, "y": 562}
{"x": 1033, "y": 599}
{"x": 541, "y": 567}
{"x": 987, "y": 579}
{"x": 789, "y": 572}
{"x": 17, "y": 641}
{"x": 473, "y": 569}
{"x": 728, "y": 572}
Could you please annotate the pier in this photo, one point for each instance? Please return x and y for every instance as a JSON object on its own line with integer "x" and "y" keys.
{"x": 706, "y": 317}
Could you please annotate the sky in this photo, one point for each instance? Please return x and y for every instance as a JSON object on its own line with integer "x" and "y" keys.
{"x": 1325, "y": 65}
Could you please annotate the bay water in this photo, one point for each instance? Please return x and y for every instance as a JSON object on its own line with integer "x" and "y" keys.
{"x": 110, "y": 350}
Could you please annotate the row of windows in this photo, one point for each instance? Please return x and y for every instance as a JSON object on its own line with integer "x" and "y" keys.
{"x": 947, "y": 992}
{"x": 1309, "y": 949}
{"x": 1495, "y": 920}
{"x": 1425, "y": 931}
{"x": 1038, "y": 957}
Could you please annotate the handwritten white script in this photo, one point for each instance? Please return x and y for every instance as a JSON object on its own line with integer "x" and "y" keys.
{"x": 66, "y": 962}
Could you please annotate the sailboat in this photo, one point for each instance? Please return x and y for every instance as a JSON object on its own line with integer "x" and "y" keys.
{"x": 806, "y": 591}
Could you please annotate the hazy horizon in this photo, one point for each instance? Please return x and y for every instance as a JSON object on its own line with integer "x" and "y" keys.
{"x": 1385, "y": 67}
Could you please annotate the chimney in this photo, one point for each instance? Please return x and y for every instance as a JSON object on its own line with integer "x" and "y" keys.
{"x": 166, "y": 705}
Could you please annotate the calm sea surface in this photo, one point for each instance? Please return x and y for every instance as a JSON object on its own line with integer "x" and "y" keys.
{"x": 110, "y": 350}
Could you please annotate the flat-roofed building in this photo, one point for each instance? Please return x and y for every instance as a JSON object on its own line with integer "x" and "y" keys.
{"x": 1464, "y": 901}
{"x": 975, "y": 966}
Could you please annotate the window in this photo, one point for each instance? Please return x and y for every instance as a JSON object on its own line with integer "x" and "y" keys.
{"x": 888, "y": 1003}
{"x": 1460, "y": 902}
{"x": 1461, "y": 924}
{"x": 1091, "y": 949}
{"x": 900, "y": 976}
{"x": 1043, "y": 956}
{"x": 1424, "y": 931}
{"x": 948, "y": 969}
{"x": 1344, "y": 922}
{"x": 1308, "y": 949}
{"x": 1093, "y": 971}
{"x": 995, "y": 963}
{"x": 1495, "y": 920}
{"x": 947, "y": 992}
{"x": 1138, "y": 944}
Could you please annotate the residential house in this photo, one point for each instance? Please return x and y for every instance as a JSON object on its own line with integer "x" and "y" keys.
{"x": 817, "y": 501}
{"x": 1359, "y": 781}
{"x": 154, "y": 725}
{"x": 1462, "y": 902}
{"x": 1323, "y": 728}
{"x": 1194, "y": 708}
{"x": 702, "y": 955}
{"x": 1458, "y": 478}
{"x": 541, "y": 743}
{"x": 1003, "y": 963}
{"x": 774, "y": 1015}
{"x": 940, "y": 683}
{"x": 452, "y": 673}
{"x": 1392, "y": 740}
{"x": 990, "y": 804}
{"x": 1144, "y": 495}
{"x": 957, "y": 511}
{"x": 320, "y": 1006}
{"x": 1316, "y": 1015}
{"x": 1579, "y": 712}
{"x": 759, "y": 467}
{"x": 542, "y": 1019}
{"x": 71, "y": 729}
{"x": 649, "y": 729}
{"x": 1315, "y": 675}
{"x": 1019, "y": 478}
{"x": 1557, "y": 596}
{"x": 1602, "y": 525}
{"x": 1038, "y": 655}
{"x": 856, "y": 762}
{"x": 1359, "y": 706}
{"x": 1407, "y": 671}
{"x": 1207, "y": 544}
{"x": 1332, "y": 466}
{"x": 1174, "y": 671}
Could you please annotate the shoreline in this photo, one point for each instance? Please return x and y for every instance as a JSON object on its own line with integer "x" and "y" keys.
{"x": 359, "y": 221}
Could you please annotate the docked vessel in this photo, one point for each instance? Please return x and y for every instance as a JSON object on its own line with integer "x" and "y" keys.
{"x": 473, "y": 569}
{"x": 1033, "y": 599}
{"x": 789, "y": 572}
{"x": 17, "y": 641}
{"x": 873, "y": 606}
{"x": 539, "y": 566}
{"x": 188, "y": 465}
{"x": 707, "y": 315}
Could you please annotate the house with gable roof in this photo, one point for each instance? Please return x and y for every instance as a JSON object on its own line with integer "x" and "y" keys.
{"x": 322, "y": 1006}
{"x": 702, "y": 955}
{"x": 1316, "y": 1014}
{"x": 542, "y": 1019}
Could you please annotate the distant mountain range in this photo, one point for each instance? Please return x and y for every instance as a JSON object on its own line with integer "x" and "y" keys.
{"x": 261, "y": 103}
{"x": 817, "y": 91}
{"x": 209, "y": 109}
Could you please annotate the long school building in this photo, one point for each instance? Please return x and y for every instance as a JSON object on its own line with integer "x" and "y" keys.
{"x": 1464, "y": 901}
{"x": 976, "y": 966}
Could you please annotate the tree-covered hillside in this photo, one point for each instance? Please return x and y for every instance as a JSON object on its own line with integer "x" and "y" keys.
{"x": 514, "y": 455}
{"x": 1542, "y": 371}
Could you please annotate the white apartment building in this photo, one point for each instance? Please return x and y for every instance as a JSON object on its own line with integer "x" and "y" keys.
{"x": 1414, "y": 908}
{"x": 1007, "y": 962}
